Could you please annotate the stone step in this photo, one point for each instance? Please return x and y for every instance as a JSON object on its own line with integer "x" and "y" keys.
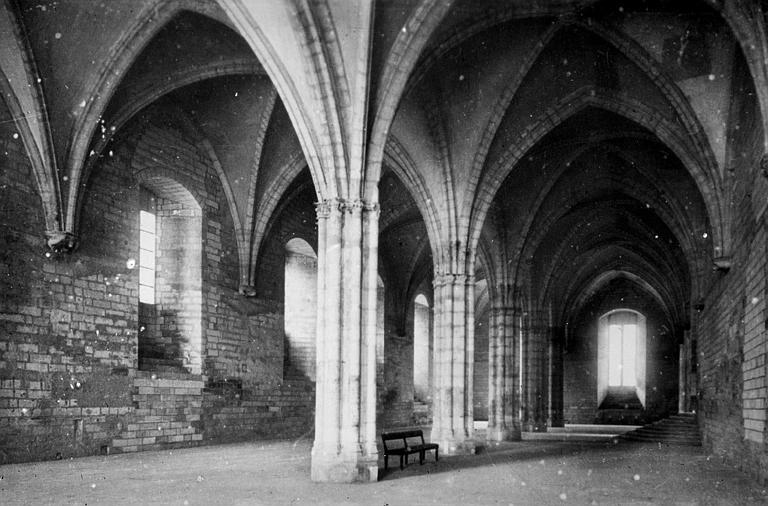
{"x": 679, "y": 429}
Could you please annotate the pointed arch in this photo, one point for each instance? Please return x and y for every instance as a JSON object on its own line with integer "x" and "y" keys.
{"x": 140, "y": 102}
{"x": 700, "y": 155}
{"x": 400, "y": 63}
{"x": 20, "y": 87}
{"x": 103, "y": 83}
{"x": 669, "y": 134}
{"x": 266, "y": 208}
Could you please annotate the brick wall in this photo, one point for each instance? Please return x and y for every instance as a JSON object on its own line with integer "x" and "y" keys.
{"x": 730, "y": 329}
{"x": 165, "y": 414}
{"x": 69, "y": 378}
{"x": 67, "y": 324}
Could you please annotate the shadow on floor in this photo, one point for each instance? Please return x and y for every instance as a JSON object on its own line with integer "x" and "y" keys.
{"x": 515, "y": 452}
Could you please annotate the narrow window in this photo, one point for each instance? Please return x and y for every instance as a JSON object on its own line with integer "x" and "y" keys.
{"x": 147, "y": 256}
{"x": 421, "y": 351}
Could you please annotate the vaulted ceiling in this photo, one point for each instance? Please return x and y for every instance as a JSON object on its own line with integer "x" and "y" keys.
{"x": 551, "y": 148}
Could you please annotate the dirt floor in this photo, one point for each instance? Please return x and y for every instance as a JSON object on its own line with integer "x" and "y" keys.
{"x": 534, "y": 473}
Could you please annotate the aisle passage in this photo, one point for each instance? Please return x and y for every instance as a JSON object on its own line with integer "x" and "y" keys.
{"x": 278, "y": 473}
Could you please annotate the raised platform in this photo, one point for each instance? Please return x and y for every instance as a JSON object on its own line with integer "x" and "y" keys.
{"x": 580, "y": 432}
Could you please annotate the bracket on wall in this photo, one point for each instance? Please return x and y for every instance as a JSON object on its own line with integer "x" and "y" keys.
{"x": 723, "y": 263}
{"x": 61, "y": 242}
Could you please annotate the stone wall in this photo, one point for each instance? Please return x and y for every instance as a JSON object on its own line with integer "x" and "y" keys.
{"x": 69, "y": 378}
{"x": 580, "y": 370}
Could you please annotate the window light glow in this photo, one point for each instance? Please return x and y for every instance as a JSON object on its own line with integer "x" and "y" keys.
{"x": 622, "y": 349}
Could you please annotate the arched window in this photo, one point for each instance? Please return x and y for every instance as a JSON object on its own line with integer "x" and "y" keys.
{"x": 421, "y": 349}
{"x": 621, "y": 354}
{"x": 300, "y": 306}
{"x": 170, "y": 276}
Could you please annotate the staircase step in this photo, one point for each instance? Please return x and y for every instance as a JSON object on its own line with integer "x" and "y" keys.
{"x": 680, "y": 429}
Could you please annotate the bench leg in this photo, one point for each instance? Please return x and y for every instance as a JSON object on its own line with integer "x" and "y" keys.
{"x": 386, "y": 461}
{"x": 436, "y": 459}
{"x": 421, "y": 457}
{"x": 401, "y": 461}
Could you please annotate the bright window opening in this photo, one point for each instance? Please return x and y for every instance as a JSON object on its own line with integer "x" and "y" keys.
{"x": 147, "y": 256}
{"x": 622, "y": 351}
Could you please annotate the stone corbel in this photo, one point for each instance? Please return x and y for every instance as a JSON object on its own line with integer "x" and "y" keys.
{"x": 61, "y": 242}
{"x": 247, "y": 290}
{"x": 723, "y": 263}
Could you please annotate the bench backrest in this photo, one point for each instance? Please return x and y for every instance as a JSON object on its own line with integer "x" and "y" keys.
{"x": 402, "y": 437}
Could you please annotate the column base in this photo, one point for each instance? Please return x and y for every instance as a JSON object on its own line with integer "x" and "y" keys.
{"x": 453, "y": 447}
{"x": 498, "y": 434}
{"x": 330, "y": 466}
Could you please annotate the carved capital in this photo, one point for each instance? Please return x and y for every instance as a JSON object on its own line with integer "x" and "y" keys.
{"x": 449, "y": 278}
{"x": 350, "y": 206}
{"x": 328, "y": 206}
{"x": 323, "y": 209}
{"x": 61, "y": 242}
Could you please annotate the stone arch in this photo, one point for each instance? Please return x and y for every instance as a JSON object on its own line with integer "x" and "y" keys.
{"x": 590, "y": 96}
{"x": 143, "y": 100}
{"x": 315, "y": 151}
{"x": 593, "y": 212}
{"x": 266, "y": 209}
{"x": 104, "y": 82}
{"x": 603, "y": 279}
{"x": 22, "y": 94}
{"x": 162, "y": 182}
{"x": 637, "y": 55}
{"x": 748, "y": 27}
{"x": 402, "y": 58}
{"x": 397, "y": 158}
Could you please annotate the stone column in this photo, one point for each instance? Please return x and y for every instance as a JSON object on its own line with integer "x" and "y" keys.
{"x": 536, "y": 374}
{"x": 452, "y": 426}
{"x": 503, "y": 360}
{"x": 344, "y": 449}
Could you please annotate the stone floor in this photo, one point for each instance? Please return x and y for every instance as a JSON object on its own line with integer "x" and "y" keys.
{"x": 278, "y": 473}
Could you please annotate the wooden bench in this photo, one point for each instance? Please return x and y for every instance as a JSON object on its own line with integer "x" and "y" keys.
{"x": 406, "y": 446}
